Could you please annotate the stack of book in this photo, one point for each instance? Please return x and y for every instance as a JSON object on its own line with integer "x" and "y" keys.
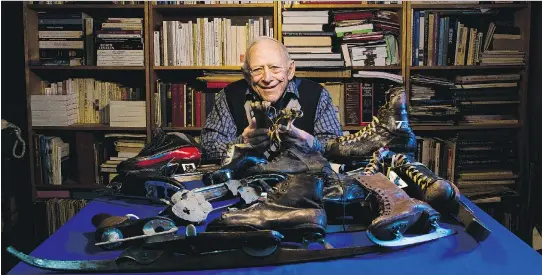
{"x": 179, "y": 105}
{"x": 368, "y": 38}
{"x": 431, "y": 102}
{"x": 307, "y": 42}
{"x": 119, "y": 42}
{"x": 506, "y": 45}
{"x": 54, "y": 109}
{"x": 65, "y": 39}
{"x": 127, "y": 114}
{"x": 487, "y": 98}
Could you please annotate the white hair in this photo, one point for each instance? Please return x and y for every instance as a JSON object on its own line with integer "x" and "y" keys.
{"x": 258, "y": 40}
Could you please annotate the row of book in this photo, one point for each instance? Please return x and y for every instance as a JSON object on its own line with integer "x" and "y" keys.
{"x": 481, "y": 166}
{"x": 51, "y": 154}
{"x": 465, "y": 37}
{"x": 179, "y": 105}
{"x": 207, "y": 41}
{"x": 80, "y": 100}
{"x": 76, "y": 39}
{"x": 468, "y": 99}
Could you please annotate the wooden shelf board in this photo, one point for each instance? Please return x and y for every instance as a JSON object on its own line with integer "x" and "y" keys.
{"x": 89, "y": 127}
{"x": 344, "y": 6}
{"x": 464, "y": 127}
{"x": 212, "y": 6}
{"x": 182, "y": 128}
{"x": 89, "y": 68}
{"x": 465, "y": 67}
{"x": 84, "y": 6}
{"x": 447, "y": 128}
{"x": 67, "y": 186}
{"x": 468, "y": 6}
{"x": 179, "y": 68}
{"x": 376, "y": 68}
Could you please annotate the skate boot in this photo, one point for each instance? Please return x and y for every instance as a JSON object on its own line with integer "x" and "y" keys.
{"x": 440, "y": 193}
{"x": 293, "y": 207}
{"x": 292, "y": 161}
{"x": 390, "y": 128}
{"x": 423, "y": 184}
{"x": 397, "y": 213}
{"x": 345, "y": 197}
{"x": 165, "y": 150}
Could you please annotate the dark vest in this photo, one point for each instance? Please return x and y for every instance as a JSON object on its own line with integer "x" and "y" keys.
{"x": 309, "y": 96}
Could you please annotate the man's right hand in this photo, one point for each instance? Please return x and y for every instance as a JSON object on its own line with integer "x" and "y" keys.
{"x": 258, "y": 138}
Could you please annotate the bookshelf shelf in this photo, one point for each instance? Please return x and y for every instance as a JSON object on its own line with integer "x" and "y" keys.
{"x": 448, "y": 127}
{"x": 344, "y": 6}
{"x": 466, "y": 67}
{"x": 84, "y": 6}
{"x": 468, "y": 6}
{"x": 464, "y": 127}
{"x": 182, "y": 128}
{"x": 180, "y": 68}
{"x": 376, "y": 68}
{"x": 212, "y": 6}
{"x": 88, "y": 68}
{"x": 88, "y": 127}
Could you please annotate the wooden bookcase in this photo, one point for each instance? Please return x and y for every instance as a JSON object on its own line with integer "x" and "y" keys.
{"x": 149, "y": 74}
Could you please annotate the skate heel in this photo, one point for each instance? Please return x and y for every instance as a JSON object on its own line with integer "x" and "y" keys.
{"x": 302, "y": 234}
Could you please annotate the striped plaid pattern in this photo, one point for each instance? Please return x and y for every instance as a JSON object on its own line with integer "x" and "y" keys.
{"x": 220, "y": 129}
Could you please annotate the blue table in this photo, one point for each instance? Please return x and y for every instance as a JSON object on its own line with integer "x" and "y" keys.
{"x": 501, "y": 253}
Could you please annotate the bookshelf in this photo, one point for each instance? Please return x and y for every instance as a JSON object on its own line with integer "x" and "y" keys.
{"x": 152, "y": 72}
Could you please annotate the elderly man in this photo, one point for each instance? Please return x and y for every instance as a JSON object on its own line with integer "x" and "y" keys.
{"x": 269, "y": 76}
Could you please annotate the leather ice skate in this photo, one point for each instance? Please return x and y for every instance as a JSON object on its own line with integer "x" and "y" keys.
{"x": 293, "y": 208}
{"x": 389, "y": 128}
{"x": 397, "y": 213}
{"x": 165, "y": 150}
{"x": 440, "y": 193}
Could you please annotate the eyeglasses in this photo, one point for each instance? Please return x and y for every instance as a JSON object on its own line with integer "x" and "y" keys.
{"x": 260, "y": 70}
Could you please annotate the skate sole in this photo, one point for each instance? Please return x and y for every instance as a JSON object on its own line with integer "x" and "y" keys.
{"x": 295, "y": 234}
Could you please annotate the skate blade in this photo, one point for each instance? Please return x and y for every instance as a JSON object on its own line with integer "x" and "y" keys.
{"x": 407, "y": 241}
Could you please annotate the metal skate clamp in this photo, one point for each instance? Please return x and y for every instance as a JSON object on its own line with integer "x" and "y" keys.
{"x": 401, "y": 240}
{"x": 114, "y": 236}
{"x": 194, "y": 206}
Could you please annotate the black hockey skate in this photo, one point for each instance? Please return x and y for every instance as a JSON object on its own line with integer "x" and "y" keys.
{"x": 390, "y": 128}
{"x": 440, "y": 193}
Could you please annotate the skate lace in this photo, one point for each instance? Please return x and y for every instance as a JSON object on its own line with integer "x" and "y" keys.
{"x": 423, "y": 181}
{"x": 366, "y": 131}
{"x": 375, "y": 163}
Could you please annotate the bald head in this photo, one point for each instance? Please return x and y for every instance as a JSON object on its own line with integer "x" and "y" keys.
{"x": 268, "y": 68}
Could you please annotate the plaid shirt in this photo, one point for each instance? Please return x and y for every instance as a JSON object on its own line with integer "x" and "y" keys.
{"x": 220, "y": 129}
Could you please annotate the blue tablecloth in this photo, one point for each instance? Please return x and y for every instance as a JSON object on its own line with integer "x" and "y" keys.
{"x": 501, "y": 253}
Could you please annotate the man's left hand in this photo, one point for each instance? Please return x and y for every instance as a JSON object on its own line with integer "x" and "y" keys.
{"x": 298, "y": 138}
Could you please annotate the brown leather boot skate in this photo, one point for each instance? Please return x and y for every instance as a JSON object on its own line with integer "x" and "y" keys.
{"x": 397, "y": 213}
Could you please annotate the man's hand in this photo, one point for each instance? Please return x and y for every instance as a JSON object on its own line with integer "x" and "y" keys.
{"x": 258, "y": 138}
{"x": 298, "y": 138}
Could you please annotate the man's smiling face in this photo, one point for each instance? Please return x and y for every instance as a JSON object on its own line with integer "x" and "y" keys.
{"x": 270, "y": 70}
